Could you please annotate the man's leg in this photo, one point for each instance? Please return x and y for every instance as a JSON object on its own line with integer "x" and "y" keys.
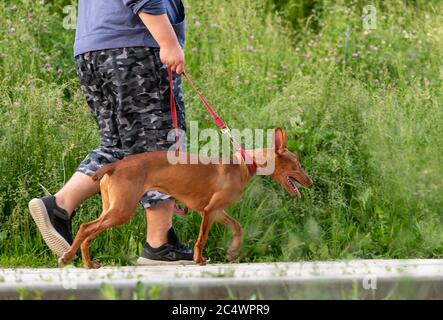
{"x": 79, "y": 188}
{"x": 162, "y": 245}
{"x": 53, "y": 215}
{"x": 159, "y": 218}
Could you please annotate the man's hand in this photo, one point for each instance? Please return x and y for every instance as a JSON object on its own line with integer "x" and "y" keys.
{"x": 173, "y": 57}
{"x": 171, "y": 53}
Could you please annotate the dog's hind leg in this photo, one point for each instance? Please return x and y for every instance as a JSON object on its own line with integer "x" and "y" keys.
{"x": 84, "y": 231}
{"x": 86, "y": 258}
{"x": 237, "y": 234}
{"x": 84, "y": 246}
{"x": 111, "y": 218}
{"x": 119, "y": 206}
{"x": 88, "y": 231}
{"x": 82, "y": 238}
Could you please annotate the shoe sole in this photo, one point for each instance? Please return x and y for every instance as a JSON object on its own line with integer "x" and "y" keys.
{"x": 53, "y": 239}
{"x": 149, "y": 262}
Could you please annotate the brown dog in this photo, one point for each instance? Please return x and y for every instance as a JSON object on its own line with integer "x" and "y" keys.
{"x": 206, "y": 188}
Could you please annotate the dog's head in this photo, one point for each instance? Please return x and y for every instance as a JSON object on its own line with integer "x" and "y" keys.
{"x": 288, "y": 171}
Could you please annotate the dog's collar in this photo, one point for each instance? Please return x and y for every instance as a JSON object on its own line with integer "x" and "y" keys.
{"x": 252, "y": 168}
{"x": 249, "y": 162}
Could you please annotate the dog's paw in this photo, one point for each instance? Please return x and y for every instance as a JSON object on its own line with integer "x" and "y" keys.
{"x": 200, "y": 260}
{"x": 62, "y": 261}
{"x": 92, "y": 264}
{"x": 232, "y": 254}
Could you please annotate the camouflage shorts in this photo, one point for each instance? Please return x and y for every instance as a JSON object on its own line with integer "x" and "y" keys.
{"x": 127, "y": 90}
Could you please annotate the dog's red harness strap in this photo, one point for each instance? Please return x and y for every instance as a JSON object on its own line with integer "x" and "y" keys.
{"x": 250, "y": 163}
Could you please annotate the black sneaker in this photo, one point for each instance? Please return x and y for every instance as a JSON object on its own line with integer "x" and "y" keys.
{"x": 53, "y": 223}
{"x": 171, "y": 253}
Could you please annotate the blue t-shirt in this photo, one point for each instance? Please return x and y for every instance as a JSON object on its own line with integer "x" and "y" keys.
{"x": 106, "y": 24}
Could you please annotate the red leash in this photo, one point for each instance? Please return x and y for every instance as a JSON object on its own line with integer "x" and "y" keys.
{"x": 173, "y": 108}
{"x": 250, "y": 163}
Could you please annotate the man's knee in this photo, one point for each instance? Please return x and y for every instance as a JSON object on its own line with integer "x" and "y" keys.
{"x": 166, "y": 205}
{"x": 152, "y": 198}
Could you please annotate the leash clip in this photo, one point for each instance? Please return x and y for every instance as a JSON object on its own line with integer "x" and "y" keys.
{"x": 227, "y": 132}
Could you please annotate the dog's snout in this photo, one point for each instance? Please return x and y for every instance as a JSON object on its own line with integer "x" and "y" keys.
{"x": 310, "y": 181}
{"x": 306, "y": 180}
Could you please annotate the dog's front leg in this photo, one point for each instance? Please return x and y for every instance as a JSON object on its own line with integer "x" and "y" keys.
{"x": 206, "y": 223}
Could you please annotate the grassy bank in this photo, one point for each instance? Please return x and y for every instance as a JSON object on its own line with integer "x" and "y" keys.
{"x": 362, "y": 108}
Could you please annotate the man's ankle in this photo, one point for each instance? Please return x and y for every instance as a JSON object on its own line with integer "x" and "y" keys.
{"x": 59, "y": 201}
{"x": 156, "y": 243}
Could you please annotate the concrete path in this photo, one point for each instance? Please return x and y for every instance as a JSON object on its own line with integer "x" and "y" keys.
{"x": 354, "y": 279}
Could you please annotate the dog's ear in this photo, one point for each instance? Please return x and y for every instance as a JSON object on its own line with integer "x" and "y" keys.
{"x": 279, "y": 140}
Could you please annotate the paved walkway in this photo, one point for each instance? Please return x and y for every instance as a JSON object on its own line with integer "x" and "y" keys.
{"x": 361, "y": 279}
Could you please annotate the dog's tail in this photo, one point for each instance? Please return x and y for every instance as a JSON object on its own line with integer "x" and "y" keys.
{"x": 106, "y": 169}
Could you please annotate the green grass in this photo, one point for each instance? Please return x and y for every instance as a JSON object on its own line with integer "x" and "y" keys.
{"x": 363, "y": 110}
